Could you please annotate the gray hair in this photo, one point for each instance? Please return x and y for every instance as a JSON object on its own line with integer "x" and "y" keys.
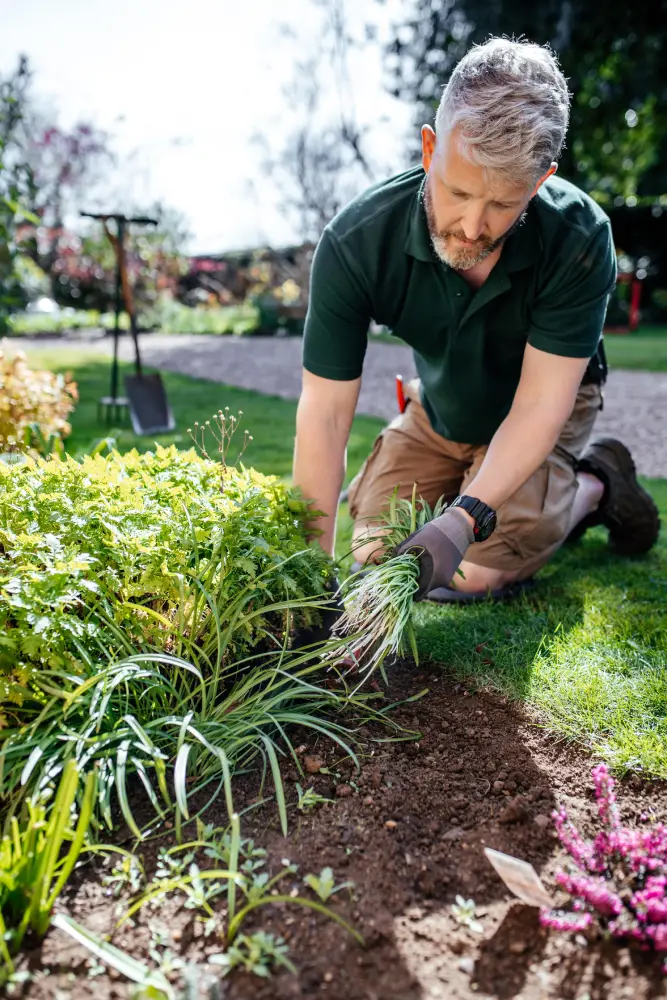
{"x": 510, "y": 103}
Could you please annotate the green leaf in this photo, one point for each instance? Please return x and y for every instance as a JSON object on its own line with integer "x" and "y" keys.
{"x": 112, "y": 956}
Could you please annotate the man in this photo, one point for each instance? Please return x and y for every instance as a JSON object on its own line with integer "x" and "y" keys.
{"x": 498, "y": 274}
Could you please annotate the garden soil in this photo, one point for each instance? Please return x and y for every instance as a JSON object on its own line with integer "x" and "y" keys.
{"x": 409, "y": 830}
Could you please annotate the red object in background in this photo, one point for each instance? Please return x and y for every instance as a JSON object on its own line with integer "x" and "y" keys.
{"x": 635, "y": 298}
{"x": 400, "y": 394}
{"x": 633, "y": 308}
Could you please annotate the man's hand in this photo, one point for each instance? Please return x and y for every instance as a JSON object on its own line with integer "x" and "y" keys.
{"x": 440, "y": 546}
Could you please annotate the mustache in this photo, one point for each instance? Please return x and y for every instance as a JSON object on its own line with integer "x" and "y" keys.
{"x": 483, "y": 242}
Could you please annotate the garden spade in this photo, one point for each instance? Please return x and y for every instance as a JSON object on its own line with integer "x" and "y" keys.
{"x": 146, "y": 397}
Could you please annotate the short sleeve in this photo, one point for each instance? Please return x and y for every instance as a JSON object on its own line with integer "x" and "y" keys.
{"x": 336, "y": 330}
{"x": 569, "y": 314}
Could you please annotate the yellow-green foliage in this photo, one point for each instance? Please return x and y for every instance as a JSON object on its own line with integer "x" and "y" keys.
{"x": 29, "y": 398}
{"x": 112, "y": 553}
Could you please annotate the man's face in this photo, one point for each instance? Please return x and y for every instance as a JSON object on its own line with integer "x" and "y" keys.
{"x": 470, "y": 214}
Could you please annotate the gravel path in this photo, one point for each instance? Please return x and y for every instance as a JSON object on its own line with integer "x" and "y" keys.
{"x": 635, "y": 402}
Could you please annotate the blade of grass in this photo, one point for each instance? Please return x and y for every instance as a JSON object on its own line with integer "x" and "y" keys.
{"x": 235, "y": 924}
{"x": 112, "y": 956}
{"x": 277, "y": 782}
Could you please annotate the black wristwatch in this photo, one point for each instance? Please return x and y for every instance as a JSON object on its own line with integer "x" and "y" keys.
{"x": 484, "y": 517}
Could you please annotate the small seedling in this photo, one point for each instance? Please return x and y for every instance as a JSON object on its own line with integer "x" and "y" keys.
{"x": 463, "y": 911}
{"x": 219, "y": 849}
{"x": 324, "y": 885}
{"x": 128, "y": 873}
{"x": 199, "y": 893}
{"x": 309, "y": 799}
{"x": 258, "y": 953}
{"x": 95, "y": 968}
{"x": 161, "y": 952}
{"x": 16, "y": 980}
{"x": 171, "y": 865}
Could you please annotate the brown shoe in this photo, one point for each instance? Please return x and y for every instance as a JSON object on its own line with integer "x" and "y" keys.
{"x": 626, "y": 509}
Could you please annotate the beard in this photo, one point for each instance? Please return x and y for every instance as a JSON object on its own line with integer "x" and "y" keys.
{"x": 462, "y": 258}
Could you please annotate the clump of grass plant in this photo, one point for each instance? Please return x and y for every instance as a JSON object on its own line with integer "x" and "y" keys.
{"x": 377, "y": 622}
{"x": 38, "y": 852}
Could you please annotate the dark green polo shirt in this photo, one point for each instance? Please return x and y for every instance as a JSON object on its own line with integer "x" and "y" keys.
{"x": 550, "y": 288}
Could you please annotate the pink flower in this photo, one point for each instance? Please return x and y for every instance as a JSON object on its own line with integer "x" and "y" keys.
{"x": 560, "y": 921}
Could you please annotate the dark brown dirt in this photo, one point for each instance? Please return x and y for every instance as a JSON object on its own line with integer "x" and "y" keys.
{"x": 409, "y": 832}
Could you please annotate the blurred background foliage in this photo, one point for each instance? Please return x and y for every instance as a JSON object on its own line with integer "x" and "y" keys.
{"x": 57, "y": 270}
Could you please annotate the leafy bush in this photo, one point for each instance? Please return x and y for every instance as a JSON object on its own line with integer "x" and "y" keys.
{"x": 166, "y": 316}
{"x": 34, "y": 405}
{"x": 118, "y": 554}
{"x": 26, "y": 324}
{"x": 170, "y": 316}
{"x": 620, "y": 880}
{"x": 146, "y": 608}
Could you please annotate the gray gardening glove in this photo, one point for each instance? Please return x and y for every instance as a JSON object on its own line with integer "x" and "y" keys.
{"x": 440, "y": 545}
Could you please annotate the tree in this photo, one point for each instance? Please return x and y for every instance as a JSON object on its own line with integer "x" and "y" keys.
{"x": 47, "y": 174}
{"x": 67, "y": 167}
{"x": 16, "y": 188}
{"x": 324, "y": 161}
{"x": 613, "y": 54}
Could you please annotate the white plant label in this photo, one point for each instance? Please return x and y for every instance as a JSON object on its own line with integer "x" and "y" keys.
{"x": 520, "y": 878}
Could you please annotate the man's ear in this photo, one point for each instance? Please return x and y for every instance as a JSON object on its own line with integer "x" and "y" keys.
{"x": 428, "y": 146}
{"x": 550, "y": 172}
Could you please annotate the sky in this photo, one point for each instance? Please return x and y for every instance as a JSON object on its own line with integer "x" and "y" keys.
{"x": 184, "y": 86}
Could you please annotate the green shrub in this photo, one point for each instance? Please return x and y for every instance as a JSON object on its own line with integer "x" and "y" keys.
{"x": 144, "y": 551}
{"x": 146, "y": 608}
{"x": 169, "y": 316}
{"x": 28, "y": 324}
{"x": 165, "y": 316}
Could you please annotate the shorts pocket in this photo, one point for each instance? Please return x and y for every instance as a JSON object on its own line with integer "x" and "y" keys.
{"x": 537, "y": 517}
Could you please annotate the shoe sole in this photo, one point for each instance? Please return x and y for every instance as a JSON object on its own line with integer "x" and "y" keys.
{"x": 645, "y": 528}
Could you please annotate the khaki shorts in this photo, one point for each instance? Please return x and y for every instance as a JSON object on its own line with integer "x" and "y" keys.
{"x": 531, "y": 524}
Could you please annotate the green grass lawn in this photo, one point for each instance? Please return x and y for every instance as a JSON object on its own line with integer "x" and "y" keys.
{"x": 270, "y": 420}
{"x": 587, "y": 650}
{"x": 645, "y": 350}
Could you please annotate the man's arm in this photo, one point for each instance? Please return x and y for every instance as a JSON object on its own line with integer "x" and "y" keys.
{"x": 543, "y": 402}
{"x": 323, "y": 422}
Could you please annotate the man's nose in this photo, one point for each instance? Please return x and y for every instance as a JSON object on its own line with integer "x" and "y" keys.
{"x": 472, "y": 223}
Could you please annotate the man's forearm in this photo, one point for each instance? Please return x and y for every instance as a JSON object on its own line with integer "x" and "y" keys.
{"x": 319, "y": 470}
{"x": 520, "y": 445}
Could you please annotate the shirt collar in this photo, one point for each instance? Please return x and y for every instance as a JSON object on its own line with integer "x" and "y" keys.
{"x": 521, "y": 250}
{"x": 418, "y": 240}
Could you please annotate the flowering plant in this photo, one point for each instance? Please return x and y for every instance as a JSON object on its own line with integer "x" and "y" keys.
{"x": 34, "y": 406}
{"x": 620, "y": 878}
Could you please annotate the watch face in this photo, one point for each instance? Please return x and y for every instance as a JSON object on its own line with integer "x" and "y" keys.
{"x": 486, "y": 526}
{"x": 485, "y": 518}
